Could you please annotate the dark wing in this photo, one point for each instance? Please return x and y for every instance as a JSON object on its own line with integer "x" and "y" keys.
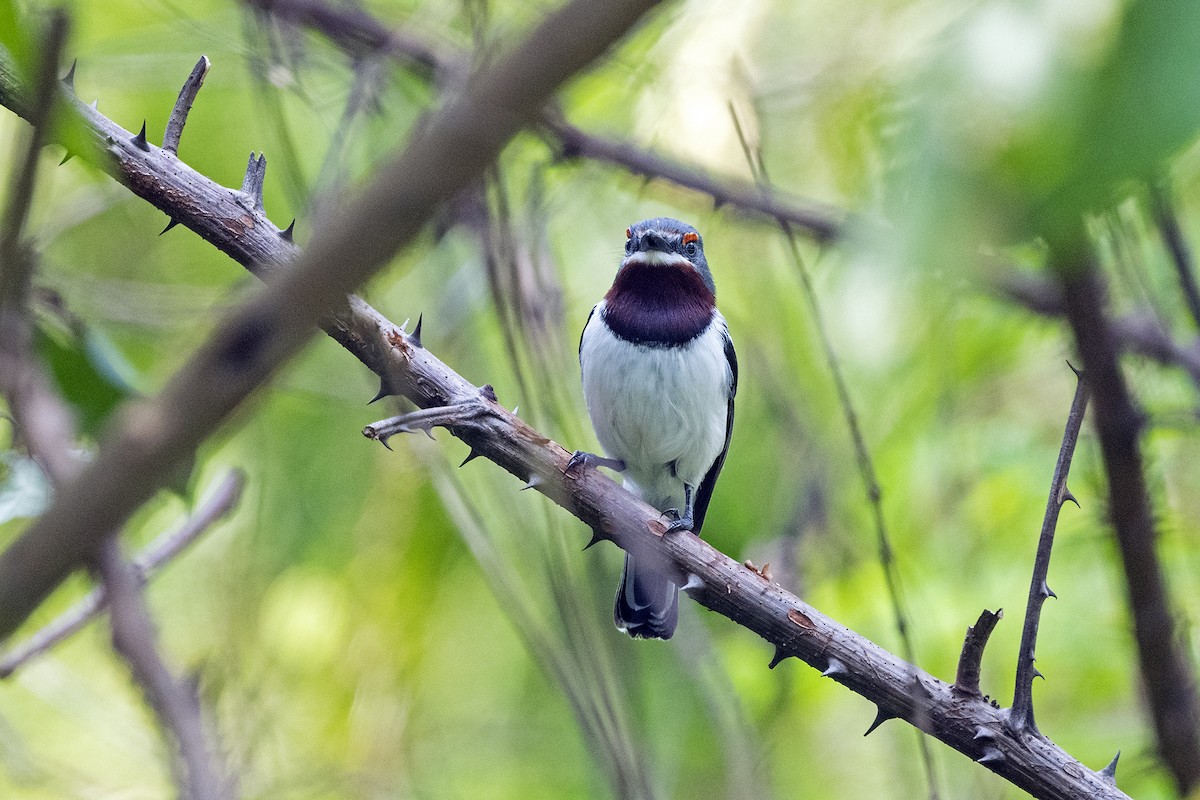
{"x": 710, "y": 479}
{"x": 589, "y": 319}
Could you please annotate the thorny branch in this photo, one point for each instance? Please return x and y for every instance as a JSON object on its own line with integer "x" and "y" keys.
{"x": 446, "y": 154}
{"x": 971, "y": 726}
{"x": 49, "y": 431}
{"x": 1021, "y": 717}
{"x": 1166, "y": 672}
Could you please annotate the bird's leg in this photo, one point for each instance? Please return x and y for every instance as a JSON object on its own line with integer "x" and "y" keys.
{"x": 685, "y": 522}
{"x": 580, "y": 458}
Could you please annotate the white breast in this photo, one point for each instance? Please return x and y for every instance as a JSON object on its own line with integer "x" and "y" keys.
{"x": 654, "y": 406}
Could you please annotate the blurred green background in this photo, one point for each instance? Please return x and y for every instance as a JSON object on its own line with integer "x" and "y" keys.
{"x": 371, "y": 624}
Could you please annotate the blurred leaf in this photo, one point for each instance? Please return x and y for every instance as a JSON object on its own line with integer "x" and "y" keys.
{"x": 14, "y": 36}
{"x": 24, "y": 489}
{"x": 1140, "y": 107}
{"x": 86, "y": 367}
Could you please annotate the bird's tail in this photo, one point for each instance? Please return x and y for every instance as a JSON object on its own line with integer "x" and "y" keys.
{"x": 647, "y": 602}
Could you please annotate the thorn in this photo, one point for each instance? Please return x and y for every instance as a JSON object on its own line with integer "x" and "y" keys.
{"x": 991, "y": 755}
{"x": 1047, "y": 591}
{"x": 139, "y": 141}
{"x": 881, "y": 717}
{"x": 982, "y": 733}
{"x": 596, "y": 538}
{"x": 96, "y": 104}
{"x": 488, "y": 392}
{"x": 429, "y": 433}
{"x": 1110, "y": 772}
{"x": 534, "y": 480}
{"x": 383, "y": 440}
{"x": 779, "y": 656}
{"x": 384, "y": 391}
{"x": 286, "y": 233}
{"x": 471, "y": 456}
{"x": 416, "y": 334}
{"x": 516, "y": 410}
{"x": 1078, "y": 372}
{"x": 1038, "y": 674}
{"x": 1066, "y": 495}
{"x": 835, "y": 667}
{"x": 694, "y": 581}
{"x": 68, "y": 80}
{"x": 67, "y": 156}
{"x": 171, "y": 223}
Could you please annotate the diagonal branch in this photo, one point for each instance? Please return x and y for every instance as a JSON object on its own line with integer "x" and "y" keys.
{"x": 1166, "y": 671}
{"x": 159, "y": 552}
{"x": 449, "y": 151}
{"x": 1021, "y": 718}
{"x": 974, "y": 728}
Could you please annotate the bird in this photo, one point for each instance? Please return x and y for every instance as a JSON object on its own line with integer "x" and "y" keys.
{"x": 659, "y": 378}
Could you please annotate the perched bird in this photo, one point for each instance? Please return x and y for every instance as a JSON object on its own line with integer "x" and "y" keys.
{"x": 659, "y": 376}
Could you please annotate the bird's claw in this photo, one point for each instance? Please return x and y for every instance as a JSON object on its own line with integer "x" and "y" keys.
{"x": 678, "y": 523}
{"x": 581, "y": 458}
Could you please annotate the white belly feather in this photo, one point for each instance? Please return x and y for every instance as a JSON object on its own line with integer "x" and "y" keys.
{"x": 653, "y": 407}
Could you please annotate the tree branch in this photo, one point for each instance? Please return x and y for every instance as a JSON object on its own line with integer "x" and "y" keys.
{"x": 358, "y": 33}
{"x": 1021, "y": 718}
{"x": 900, "y": 690}
{"x": 1166, "y": 671}
{"x": 447, "y": 153}
{"x": 966, "y": 680}
{"x": 175, "y": 705}
{"x": 183, "y": 105}
{"x": 973, "y": 727}
{"x": 1181, "y": 255}
{"x": 159, "y": 552}
{"x": 1139, "y": 333}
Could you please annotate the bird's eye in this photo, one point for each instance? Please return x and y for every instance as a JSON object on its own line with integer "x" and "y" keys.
{"x": 628, "y": 246}
{"x": 690, "y": 246}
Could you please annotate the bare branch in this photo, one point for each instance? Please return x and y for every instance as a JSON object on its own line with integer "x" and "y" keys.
{"x": 1181, "y": 255}
{"x": 966, "y": 680}
{"x": 449, "y": 151}
{"x": 252, "y": 183}
{"x": 15, "y": 264}
{"x": 176, "y": 705}
{"x": 1166, "y": 670}
{"x": 360, "y": 33}
{"x": 187, "y": 96}
{"x": 159, "y": 552}
{"x": 1021, "y": 718}
{"x": 1139, "y": 333}
{"x": 44, "y": 421}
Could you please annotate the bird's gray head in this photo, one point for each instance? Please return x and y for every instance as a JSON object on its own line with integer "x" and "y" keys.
{"x": 665, "y": 241}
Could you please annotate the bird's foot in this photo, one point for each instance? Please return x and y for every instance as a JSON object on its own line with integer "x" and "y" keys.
{"x": 581, "y": 459}
{"x": 678, "y": 523}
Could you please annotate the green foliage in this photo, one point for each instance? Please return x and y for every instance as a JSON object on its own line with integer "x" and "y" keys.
{"x": 373, "y": 624}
